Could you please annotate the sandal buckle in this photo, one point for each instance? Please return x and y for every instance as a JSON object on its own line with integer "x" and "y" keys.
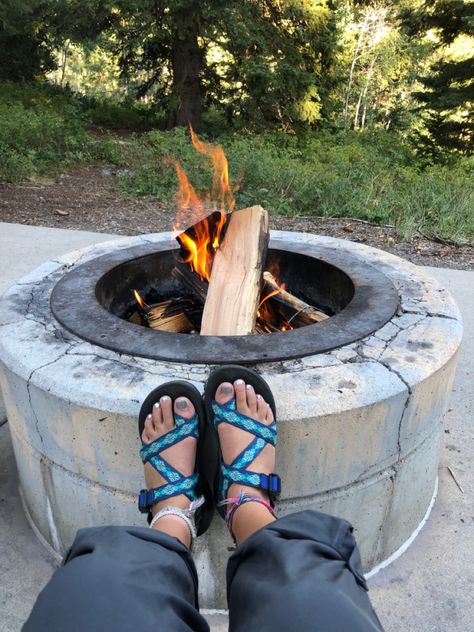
{"x": 271, "y": 483}
{"x": 145, "y": 500}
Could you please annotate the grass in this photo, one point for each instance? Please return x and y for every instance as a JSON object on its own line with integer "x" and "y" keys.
{"x": 42, "y": 128}
{"x": 372, "y": 176}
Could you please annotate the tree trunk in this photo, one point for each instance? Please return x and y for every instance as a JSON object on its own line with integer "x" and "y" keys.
{"x": 360, "y": 41}
{"x": 186, "y": 60}
{"x": 64, "y": 62}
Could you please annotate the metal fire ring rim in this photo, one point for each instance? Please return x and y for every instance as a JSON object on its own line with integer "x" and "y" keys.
{"x": 374, "y": 303}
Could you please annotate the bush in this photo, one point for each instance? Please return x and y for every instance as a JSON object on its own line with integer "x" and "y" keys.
{"x": 41, "y": 126}
{"x": 368, "y": 176}
{"x": 125, "y": 115}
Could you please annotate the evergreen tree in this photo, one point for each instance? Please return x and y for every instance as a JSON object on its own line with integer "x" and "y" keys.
{"x": 24, "y": 50}
{"x": 256, "y": 59}
{"x": 448, "y": 94}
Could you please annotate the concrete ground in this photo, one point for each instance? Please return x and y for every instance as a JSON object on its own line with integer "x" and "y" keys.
{"x": 430, "y": 588}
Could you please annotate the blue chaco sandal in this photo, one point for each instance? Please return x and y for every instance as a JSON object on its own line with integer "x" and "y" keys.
{"x": 223, "y": 475}
{"x": 193, "y": 486}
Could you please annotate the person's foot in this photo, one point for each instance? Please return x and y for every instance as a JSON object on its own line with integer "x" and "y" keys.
{"x": 233, "y": 440}
{"x": 251, "y": 516}
{"x": 181, "y": 456}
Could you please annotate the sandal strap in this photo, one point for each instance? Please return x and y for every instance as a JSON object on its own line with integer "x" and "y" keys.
{"x": 236, "y": 471}
{"x": 149, "y": 497}
{"x": 270, "y": 483}
{"x": 176, "y": 483}
{"x": 184, "y": 428}
{"x": 227, "y": 413}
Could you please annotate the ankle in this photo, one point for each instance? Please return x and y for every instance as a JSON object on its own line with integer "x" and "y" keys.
{"x": 247, "y": 513}
{"x": 248, "y": 519}
{"x": 174, "y": 526}
{"x": 236, "y": 489}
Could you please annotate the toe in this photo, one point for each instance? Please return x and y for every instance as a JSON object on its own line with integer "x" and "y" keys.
{"x": 166, "y": 406}
{"x": 148, "y": 433}
{"x": 157, "y": 417}
{"x": 224, "y": 393}
{"x": 269, "y": 416}
{"x": 251, "y": 399}
{"x": 241, "y": 396}
{"x": 261, "y": 408}
{"x": 184, "y": 407}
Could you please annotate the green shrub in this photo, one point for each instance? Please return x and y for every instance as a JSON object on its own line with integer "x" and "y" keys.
{"x": 125, "y": 115}
{"x": 42, "y": 127}
{"x": 366, "y": 176}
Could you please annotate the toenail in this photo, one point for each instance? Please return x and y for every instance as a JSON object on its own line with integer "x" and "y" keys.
{"x": 259, "y": 397}
{"x": 165, "y": 399}
{"x": 248, "y": 386}
{"x": 148, "y": 417}
{"x": 239, "y": 382}
{"x": 226, "y": 390}
{"x": 181, "y": 404}
{"x": 157, "y": 405}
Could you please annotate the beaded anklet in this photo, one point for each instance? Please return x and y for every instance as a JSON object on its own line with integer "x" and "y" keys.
{"x": 187, "y": 515}
{"x": 234, "y": 503}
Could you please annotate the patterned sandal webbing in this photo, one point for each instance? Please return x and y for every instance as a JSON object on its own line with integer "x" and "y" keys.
{"x": 235, "y": 472}
{"x": 177, "y": 483}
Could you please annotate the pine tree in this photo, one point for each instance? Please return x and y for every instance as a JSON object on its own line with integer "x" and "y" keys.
{"x": 24, "y": 52}
{"x": 258, "y": 60}
{"x": 448, "y": 94}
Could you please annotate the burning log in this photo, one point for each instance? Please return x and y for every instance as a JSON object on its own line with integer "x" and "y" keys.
{"x": 304, "y": 314}
{"x": 169, "y": 316}
{"x": 136, "y": 319}
{"x": 172, "y": 315}
{"x": 234, "y": 287}
{"x": 183, "y": 273}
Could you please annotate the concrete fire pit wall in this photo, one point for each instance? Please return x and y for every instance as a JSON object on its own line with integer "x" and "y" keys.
{"x": 359, "y": 428}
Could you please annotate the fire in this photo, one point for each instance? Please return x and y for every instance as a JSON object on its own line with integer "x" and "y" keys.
{"x": 221, "y": 189}
{"x": 205, "y": 216}
{"x": 139, "y": 300}
{"x": 266, "y": 314}
{"x": 192, "y": 208}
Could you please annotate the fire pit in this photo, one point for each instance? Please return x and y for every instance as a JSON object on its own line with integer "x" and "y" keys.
{"x": 360, "y": 396}
{"x": 88, "y": 300}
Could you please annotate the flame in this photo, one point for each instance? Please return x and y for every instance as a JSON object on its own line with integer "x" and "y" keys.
{"x": 192, "y": 209}
{"x": 139, "y": 300}
{"x": 221, "y": 189}
{"x": 267, "y": 315}
{"x": 270, "y": 294}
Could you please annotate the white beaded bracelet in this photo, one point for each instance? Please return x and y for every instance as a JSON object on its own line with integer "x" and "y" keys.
{"x": 187, "y": 515}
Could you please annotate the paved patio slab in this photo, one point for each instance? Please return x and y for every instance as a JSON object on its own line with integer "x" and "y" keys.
{"x": 428, "y": 589}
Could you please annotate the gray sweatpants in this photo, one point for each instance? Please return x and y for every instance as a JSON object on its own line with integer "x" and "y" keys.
{"x": 300, "y": 573}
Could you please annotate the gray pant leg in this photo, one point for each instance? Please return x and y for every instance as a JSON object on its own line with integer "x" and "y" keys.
{"x": 301, "y": 573}
{"x": 121, "y": 579}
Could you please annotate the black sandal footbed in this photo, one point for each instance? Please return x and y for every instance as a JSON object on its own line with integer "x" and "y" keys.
{"x": 227, "y": 373}
{"x": 175, "y": 389}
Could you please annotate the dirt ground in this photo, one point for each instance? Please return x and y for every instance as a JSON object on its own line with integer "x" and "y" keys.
{"x": 88, "y": 199}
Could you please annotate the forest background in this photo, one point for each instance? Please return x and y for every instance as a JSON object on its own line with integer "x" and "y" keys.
{"x": 330, "y": 108}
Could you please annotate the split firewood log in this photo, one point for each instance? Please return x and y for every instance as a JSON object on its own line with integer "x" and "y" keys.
{"x": 236, "y": 277}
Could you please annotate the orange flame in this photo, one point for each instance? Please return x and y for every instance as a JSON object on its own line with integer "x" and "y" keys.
{"x": 221, "y": 189}
{"x": 139, "y": 300}
{"x": 192, "y": 209}
{"x": 265, "y": 311}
